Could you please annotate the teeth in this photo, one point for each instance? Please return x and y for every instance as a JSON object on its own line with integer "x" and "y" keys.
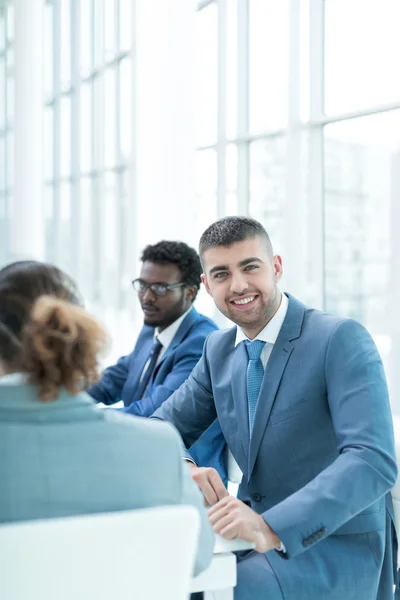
{"x": 244, "y": 301}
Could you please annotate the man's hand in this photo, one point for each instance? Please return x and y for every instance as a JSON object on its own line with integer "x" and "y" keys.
{"x": 231, "y": 519}
{"x": 209, "y": 482}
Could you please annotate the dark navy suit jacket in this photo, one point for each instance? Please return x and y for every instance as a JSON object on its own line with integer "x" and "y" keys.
{"x": 120, "y": 381}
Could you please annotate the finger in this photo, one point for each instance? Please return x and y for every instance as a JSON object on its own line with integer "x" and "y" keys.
{"x": 208, "y": 492}
{"x": 225, "y": 502}
{"x": 201, "y": 477}
{"x": 230, "y": 531}
{"x": 220, "y": 525}
{"x": 218, "y": 485}
{"x": 216, "y": 513}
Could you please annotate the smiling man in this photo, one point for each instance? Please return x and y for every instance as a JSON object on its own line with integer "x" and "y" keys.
{"x": 302, "y": 401}
{"x": 169, "y": 345}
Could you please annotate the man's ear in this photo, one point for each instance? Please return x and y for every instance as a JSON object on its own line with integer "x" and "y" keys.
{"x": 277, "y": 266}
{"x": 205, "y": 283}
{"x": 191, "y": 292}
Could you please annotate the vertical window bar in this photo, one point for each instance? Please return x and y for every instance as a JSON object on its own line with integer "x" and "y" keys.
{"x": 98, "y": 151}
{"x": 295, "y": 250}
{"x": 75, "y": 222}
{"x": 316, "y": 150}
{"x": 131, "y": 249}
{"x": 53, "y": 252}
{"x": 7, "y": 158}
{"x": 243, "y": 107}
{"x": 222, "y": 86}
{"x": 120, "y": 171}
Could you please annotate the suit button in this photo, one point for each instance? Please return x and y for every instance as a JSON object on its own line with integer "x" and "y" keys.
{"x": 256, "y": 497}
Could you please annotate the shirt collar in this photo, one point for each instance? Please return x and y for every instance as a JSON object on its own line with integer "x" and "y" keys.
{"x": 13, "y": 379}
{"x": 166, "y": 336}
{"x": 271, "y": 330}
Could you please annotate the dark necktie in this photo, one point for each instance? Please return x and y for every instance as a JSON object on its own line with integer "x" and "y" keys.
{"x": 151, "y": 362}
{"x": 255, "y": 374}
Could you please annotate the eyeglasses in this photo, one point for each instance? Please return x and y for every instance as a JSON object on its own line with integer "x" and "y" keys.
{"x": 158, "y": 289}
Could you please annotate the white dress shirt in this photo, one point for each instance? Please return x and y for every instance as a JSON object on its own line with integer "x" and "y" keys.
{"x": 269, "y": 335}
{"x": 167, "y": 335}
{"x": 270, "y": 332}
{"x": 13, "y": 379}
{"x": 165, "y": 338}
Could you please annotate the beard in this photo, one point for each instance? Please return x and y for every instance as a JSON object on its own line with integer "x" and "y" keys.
{"x": 257, "y": 317}
{"x": 163, "y": 318}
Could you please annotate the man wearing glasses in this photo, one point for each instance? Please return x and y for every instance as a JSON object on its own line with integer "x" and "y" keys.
{"x": 169, "y": 345}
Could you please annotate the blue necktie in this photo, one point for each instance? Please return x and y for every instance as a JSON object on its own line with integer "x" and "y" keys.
{"x": 153, "y": 356}
{"x": 255, "y": 374}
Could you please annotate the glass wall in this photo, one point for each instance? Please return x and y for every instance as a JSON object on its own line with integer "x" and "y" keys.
{"x": 6, "y": 120}
{"x": 297, "y": 120}
{"x": 88, "y": 143}
{"x": 298, "y": 125}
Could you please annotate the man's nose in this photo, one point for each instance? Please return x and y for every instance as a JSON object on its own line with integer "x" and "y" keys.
{"x": 238, "y": 283}
{"x": 148, "y": 296}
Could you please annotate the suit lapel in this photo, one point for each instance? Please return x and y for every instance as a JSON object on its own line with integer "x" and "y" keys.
{"x": 182, "y": 332}
{"x": 290, "y": 330}
{"x": 273, "y": 374}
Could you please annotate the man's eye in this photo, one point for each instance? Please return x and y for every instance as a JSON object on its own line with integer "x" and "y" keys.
{"x": 220, "y": 275}
{"x": 251, "y": 267}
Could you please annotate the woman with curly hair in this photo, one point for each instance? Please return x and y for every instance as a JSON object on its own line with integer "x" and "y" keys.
{"x": 60, "y": 455}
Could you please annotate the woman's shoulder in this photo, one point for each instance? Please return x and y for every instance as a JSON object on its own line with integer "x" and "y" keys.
{"x": 153, "y": 429}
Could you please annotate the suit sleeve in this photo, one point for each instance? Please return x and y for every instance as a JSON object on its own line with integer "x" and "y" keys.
{"x": 187, "y": 357}
{"x": 109, "y": 389}
{"x": 365, "y": 469}
{"x": 191, "y": 408}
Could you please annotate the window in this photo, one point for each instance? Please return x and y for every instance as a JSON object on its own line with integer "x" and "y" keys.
{"x": 359, "y": 197}
{"x": 6, "y": 121}
{"x": 206, "y": 80}
{"x": 267, "y": 187}
{"x": 206, "y": 189}
{"x": 88, "y": 141}
{"x": 268, "y": 64}
{"x": 361, "y": 54}
{"x": 298, "y": 121}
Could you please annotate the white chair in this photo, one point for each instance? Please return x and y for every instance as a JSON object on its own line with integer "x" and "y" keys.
{"x": 396, "y": 489}
{"x": 133, "y": 555}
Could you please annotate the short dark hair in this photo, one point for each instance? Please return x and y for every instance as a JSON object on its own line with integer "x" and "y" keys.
{"x": 230, "y": 230}
{"x": 180, "y": 254}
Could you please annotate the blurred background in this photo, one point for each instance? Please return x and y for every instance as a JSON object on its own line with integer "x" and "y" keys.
{"x": 124, "y": 122}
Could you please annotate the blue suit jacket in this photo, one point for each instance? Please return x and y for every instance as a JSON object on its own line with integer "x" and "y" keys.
{"x": 321, "y": 459}
{"x": 120, "y": 381}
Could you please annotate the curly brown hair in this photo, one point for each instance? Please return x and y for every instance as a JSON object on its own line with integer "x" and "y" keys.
{"x": 45, "y": 332}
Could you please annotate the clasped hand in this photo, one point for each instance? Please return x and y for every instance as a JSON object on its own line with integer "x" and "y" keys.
{"x": 229, "y": 516}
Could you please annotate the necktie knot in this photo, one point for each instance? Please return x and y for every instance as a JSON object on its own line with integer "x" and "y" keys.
{"x": 254, "y": 349}
{"x": 156, "y": 347}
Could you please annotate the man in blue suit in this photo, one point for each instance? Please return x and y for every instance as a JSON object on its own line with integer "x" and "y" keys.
{"x": 169, "y": 345}
{"x": 302, "y": 401}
